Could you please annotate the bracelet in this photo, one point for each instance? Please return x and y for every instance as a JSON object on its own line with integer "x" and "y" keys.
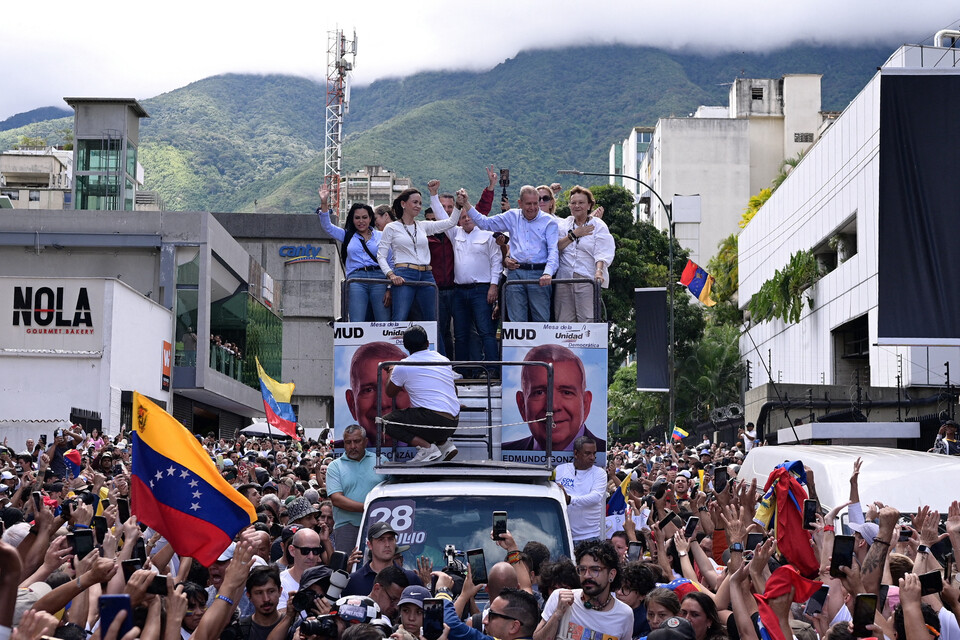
{"x": 702, "y": 509}
{"x": 513, "y": 557}
{"x": 829, "y": 528}
{"x": 81, "y": 526}
{"x": 572, "y": 236}
{"x": 79, "y": 586}
{"x": 882, "y": 542}
{"x": 225, "y": 599}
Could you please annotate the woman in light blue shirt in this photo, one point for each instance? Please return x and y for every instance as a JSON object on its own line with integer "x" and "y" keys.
{"x": 359, "y": 242}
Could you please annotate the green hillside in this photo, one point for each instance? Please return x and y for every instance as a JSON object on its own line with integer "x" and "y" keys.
{"x": 224, "y": 142}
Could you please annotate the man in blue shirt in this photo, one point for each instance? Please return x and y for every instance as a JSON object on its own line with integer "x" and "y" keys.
{"x": 512, "y": 615}
{"x": 349, "y": 479}
{"x": 533, "y": 251}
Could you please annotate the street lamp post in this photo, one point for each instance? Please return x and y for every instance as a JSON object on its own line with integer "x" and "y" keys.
{"x": 671, "y": 395}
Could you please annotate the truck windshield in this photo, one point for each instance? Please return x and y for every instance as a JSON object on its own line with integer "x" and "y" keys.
{"x": 427, "y": 524}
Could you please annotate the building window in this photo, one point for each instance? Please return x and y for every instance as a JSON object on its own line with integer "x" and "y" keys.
{"x": 756, "y": 93}
{"x": 98, "y": 155}
{"x": 98, "y": 193}
{"x": 13, "y": 194}
{"x": 851, "y": 352}
{"x": 838, "y": 247}
{"x": 34, "y": 196}
{"x": 803, "y": 137}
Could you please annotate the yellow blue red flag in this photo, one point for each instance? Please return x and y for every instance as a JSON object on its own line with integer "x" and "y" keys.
{"x": 679, "y": 434}
{"x": 617, "y": 503}
{"x": 176, "y": 489}
{"x": 276, "y": 403}
{"x": 698, "y": 282}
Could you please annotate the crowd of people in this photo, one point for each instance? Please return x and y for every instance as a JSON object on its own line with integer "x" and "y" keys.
{"x": 669, "y": 545}
{"x": 395, "y": 257}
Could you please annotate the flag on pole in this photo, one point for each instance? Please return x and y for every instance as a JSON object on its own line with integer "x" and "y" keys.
{"x": 679, "y": 434}
{"x": 698, "y": 282}
{"x": 175, "y": 487}
{"x": 276, "y": 403}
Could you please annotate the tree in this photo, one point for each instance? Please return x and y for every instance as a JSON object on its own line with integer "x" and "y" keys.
{"x": 710, "y": 376}
{"x": 754, "y": 205}
{"x": 724, "y": 267}
{"x": 31, "y": 141}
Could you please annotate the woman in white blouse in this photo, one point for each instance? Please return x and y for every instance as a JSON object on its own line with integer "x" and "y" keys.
{"x": 586, "y": 251}
{"x": 408, "y": 238}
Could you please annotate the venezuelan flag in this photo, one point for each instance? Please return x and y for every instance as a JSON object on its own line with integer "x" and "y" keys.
{"x": 276, "y": 403}
{"x": 698, "y": 282}
{"x": 617, "y": 503}
{"x": 74, "y": 462}
{"x": 176, "y": 489}
{"x": 679, "y": 434}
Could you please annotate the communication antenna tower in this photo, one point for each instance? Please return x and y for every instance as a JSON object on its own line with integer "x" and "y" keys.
{"x": 341, "y": 55}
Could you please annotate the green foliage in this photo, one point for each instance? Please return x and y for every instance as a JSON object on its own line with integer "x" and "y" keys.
{"x": 27, "y": 142}
{"x": 710, "y": 376}
{"x": 786, "y": 167}
{"x": 782, "y": 296}
{"x": 754, "y": 205}
{"x": 629, "y": 411}
{"x": 725, "y": 269}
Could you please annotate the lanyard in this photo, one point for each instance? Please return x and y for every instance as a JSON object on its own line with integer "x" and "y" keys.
{"x": 413, "y": 236}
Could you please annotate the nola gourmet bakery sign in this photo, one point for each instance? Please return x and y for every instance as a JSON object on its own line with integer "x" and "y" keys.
{"x": 52, "y": 314}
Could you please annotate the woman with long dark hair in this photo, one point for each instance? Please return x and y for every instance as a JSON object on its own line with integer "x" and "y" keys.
{"x": 701, "y": 612}
{"x": 408, "y": 238}
{"x": 359, "y": 242}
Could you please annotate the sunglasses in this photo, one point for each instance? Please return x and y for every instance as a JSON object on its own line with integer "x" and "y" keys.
{"x": 546, "y": 198}
{"x": 493, "y": 614}
{"x": 308, "y": 550}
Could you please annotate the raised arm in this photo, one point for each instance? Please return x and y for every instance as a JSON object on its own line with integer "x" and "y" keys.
{"x": 337, "y": 233}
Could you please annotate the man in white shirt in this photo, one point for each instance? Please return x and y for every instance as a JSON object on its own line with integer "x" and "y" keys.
{"x": 433, "y": 400}
{"x": 585, "y": 486}
{"x": 476, "y": 273}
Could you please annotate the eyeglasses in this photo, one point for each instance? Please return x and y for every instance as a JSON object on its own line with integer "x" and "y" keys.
{"x": 593, "y": 571}
{"x": 308, "y": 550}
{"x": 546, "y": 198}
{"x": 494, "y": 614}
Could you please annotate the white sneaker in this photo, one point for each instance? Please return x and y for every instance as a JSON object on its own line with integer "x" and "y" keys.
{"x": 448, "y": 449}
{"x": 427, "y": 454}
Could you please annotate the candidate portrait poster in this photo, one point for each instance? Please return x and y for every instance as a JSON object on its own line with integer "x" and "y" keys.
{"x": 358, "y": 348}
{"x": 578, "y": 352}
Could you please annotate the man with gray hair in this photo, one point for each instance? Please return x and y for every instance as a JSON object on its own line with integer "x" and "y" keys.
{"x": 349, "y": 479}
{"x": 585, "y": 487}
{"x": 533, "y": 253}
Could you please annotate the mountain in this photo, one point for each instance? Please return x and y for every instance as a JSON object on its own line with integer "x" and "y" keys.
{"x": 224, "y": 142}
{"x": 34, "y": 115}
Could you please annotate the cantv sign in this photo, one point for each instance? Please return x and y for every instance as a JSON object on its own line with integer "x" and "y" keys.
{"x": 302, "y": 253}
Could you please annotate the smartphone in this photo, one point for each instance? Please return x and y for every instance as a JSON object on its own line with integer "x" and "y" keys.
{"x": 432, "y": 618}
{"x": 720, "y": 477}
{"x": 82, "y": 543}
{"x": 499, "y": 524}
{"x": 864, "y": 610}
{"x": 104, "y": 503}
{"x": 942, "y": 550}
{"x": 37, "y": 501}
{"x": 668, "y": 524}
{"x": 478, "y": 566}
{"x": 43, "y": 439}
{"x": 338, "y": 561}
{"x": 753, "y": 541}
{"x": 112, "y": 605}
{"x": 930, "y": 583}
{"x": 99, "y": 525}
{"x": 129, "y": 566}
{"x": 815, "y": 603}
{"x": 504, "y": 182}
{"x": 634, "y": 551}
{"x": 842, "y": 555}
{"x": 905, "y": 533}
{"x": 123, "y": 509}
{"x": 692, "y": 523}
{"x": 140, "y": 550}
{"x": 882, "y": 597}
{"x": 158, "y": 586}
{"x": 809, "y": 514}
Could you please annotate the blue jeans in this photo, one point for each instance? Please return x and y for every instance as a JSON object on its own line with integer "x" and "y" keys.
{"x": 364, "y": 295}
{"x": 403, "y": 298}
{"x": 527, "y": 303}
{"x": 471, "y": 309}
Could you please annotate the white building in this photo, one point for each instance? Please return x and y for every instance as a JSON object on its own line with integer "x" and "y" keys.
{"x": 724, "y": 154}
{"x": 832, "y": 204}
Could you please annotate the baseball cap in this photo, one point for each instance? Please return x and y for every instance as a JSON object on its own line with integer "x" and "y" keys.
{"x": 313, "y": 575}
{"x": 673, "y": 629}
{"x": 288, "y": 531}
{"x": 867, "y": 530}
{"x": 6, "y": 475}
{"x": 414, "y": 594}
{"x": 227, "y": 553}
{"x": 685, "y": 474}
{"x": 377, "y": 529}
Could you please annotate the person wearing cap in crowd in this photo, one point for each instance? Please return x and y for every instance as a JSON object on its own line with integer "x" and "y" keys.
{"x": 511, "y": 615}
{"x": 681, "y": 485}
{"x": 349, "y": 479}
{"x": 592, "y": 609}
{"x": 673, "y": 629}
{"x": 382, "y": 543}
{"x": 864, "y": 534}
{"x": 410, "y": 607}
{"x": 305, "y": 550}
{"x": 946, "y": 442}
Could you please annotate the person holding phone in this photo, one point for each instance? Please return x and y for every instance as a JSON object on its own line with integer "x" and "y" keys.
{"x": 511, "y": 615}
{"x": 584, "y": 486}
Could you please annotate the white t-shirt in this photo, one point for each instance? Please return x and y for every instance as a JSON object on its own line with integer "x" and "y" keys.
{"x": 587, "y": 489}
{"x": 428, "y": 387}
{"x": 287, "y": 583}
{"x": 579, "y": 622}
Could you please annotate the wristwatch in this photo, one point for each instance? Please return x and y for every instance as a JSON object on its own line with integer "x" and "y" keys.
{"x": 923, "y": 549}
{"x": 681, "y": 553}
{"x": 736, "y": 547}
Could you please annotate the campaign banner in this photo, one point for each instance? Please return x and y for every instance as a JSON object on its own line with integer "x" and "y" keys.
{"x": 358, "y": 348}
{"x": 578, "y": 352}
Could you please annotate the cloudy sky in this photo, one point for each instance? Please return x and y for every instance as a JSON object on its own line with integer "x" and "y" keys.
{"x": 141, "y": 49}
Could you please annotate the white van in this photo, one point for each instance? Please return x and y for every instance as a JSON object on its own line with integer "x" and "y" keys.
{"x": 897, "y": 477}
